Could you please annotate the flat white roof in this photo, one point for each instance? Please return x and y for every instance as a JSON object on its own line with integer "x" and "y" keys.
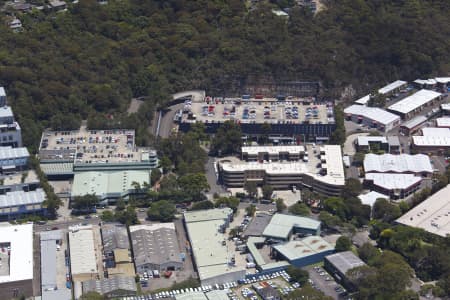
{"x": 82, "y": 251}
{"x": 5, "y": 112}
{"x": 443, "y": 122}
{"x": 364, "y": 140}
{"x": 391, "y": 181}
{"x": 414, "y": 122}
{"x": 432, "y": 215}
{"x": 445, "y": 106}
{"x": 401, "y": 163}
{"x": 392, "y": 86}
{"x": 371, "y": 197}
{"x": 152, "y": 227}
{"x": 425, "y": 81}
{"x": 2, "y": 92}
{"x": 20, "y": 238}
{"x": 414, "y": 101}
{"x": 11, "y": 153}
{"x": 434, "y": 131}
{"x": 374, "y": 113}
{"x": 443, "y": 79}
{"x": 274, "y": 150}
{"x": 433, "y": 137}
{"x": 363, "y": 100}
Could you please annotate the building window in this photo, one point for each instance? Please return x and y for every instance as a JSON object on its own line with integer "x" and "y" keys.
{"x": 10, "y": 137}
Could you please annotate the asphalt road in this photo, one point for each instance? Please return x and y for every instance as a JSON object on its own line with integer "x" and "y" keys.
{"x": 211, "y": 177}
{"x": 327, "y": 287}
{"x": 64, "y": 224}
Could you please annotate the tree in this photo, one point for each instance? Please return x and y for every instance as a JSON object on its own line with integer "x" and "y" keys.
{"x": 251, "y": 188}
{"x": 155, "y": 176}
{"x": 120, "y": 204}
{"x": 267, "y": 191}
{"x": 358, "y": 158}
{"x": 343, "y": 243}
{"x": 280, "y": 205}
{"x": 162, "y": 210}
{"x": 299, "y": 275}
{"x": 352, "y": 188}
{"x": 92, "y": 296}
{"x": 228, "y": 139}
{"x": 385, "y": 211}
{"x": 307, "y": 292}
{"x": 250, "y": 210}
{"x": 193, "y": 184}
{"x": 300, "y": 209}
{"x": 367, "y": 252}
{"x": 107, "y": 216}
{"x": 85, "y": 202}
{"x": 166, "y": 164}
{"x": 231, "y": 202}
{"x": 202, "y": 205}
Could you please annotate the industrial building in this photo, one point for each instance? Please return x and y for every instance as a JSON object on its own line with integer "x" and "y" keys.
{"x": 155, "y": 247}
{"x": 264, "y": 263}
{"x": 16, "y": 253}
{"x": 339, "y": 264}
{"x": 387, "y": 90}
{"x": 63, "y": 153}
{"x": 396, "y": 186}
{"x": 112, "y": 288}
{"x": 257, "y": 225}
{"x": 443, "y": 122}
{"x": 117, "y": 250}
{"x": 212, "y": 259}
{"x": 49, "y": 287}
{"x": 415, "y": 103}
{"x": 83, "y": 257}
{"x": 307, "y": 251}
{"x": 2, "y": 96}
{"x": 411, "y": 126}
{"x": 441, "y": 83}
{"x": 10, "y": 131}
{"x": 372, "y": 117}
{"x": 418, "y": 164}
{"x": 19, "y": 203}
{"x": 327, "y": 177}
{"x": 13, "y": 159}
{"x": 389, "y": 144}
{"x": 292, "y": 117}
{"x": 282, "y": 226}
{"x": 431, "y": 215}
{"x": 109, "y": 185}
{"x": 272, "y": 153}
{"x": 432, "y": 140}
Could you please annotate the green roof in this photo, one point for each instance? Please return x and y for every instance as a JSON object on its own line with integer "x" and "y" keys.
{"x": 208, "y": 215}
{"x": 106, "y": 184}
{"x": 281, "y": 225}
{"x": 302, "y": 248}
{"x": 259, "y": 260}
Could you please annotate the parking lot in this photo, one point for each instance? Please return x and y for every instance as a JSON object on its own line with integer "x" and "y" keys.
{"x": 324, "y": 282}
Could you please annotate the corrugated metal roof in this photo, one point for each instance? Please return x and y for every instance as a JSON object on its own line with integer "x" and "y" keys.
{"x": 48, "y": 264}
{"x": 344, "y": 261}
{"x": 414, "y": 122}
{"x": 308, "y": 246}
{"x": 108, "y": 285}
{"x": 373, "y": 113}
{"x": 397, "y": 163}
{"x": 281, "y": 225}
{"x": 17, "y": 198}
{"x": 12, "y": 153}
{"x": 393, "y": 181}
{"x": 414, "y": 101}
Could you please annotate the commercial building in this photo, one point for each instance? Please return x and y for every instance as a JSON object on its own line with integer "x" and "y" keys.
{"x": 339, "y": 264}
{"x": 411, "y": 126}
{"x": 441, "y": 83}
{"x": 213, "y": 260}
{"x": 19, "y": 203}
{"x": 445, "y": 109}
{"x": 435, "y": 140}
{"x": 2, "y": 96}
{"x": 117, "y": 250}
{"x": 267, "y": 292}
{"x": 443, "y": 122}
{"x": 282, "y": 226}
{"x": 431, "y": 215}
{"x": 293, "y": 118}
{"x": 257, "y": 224}
{"x": 155, "y": 247}
{"x": 112, "y": 288}
{"x": 16, "y": 253}
{"x": 63, "y": 153}
{"x": 272, "y": 153}
{"x": 261, "y": 256}
{"x": 396, "y": 186}
{"x": 304, "y": 252}
{"x": 13, "y": 159}
{"x": 50, "y": 240}
{"x": 418, "y": 164}
{"x": 387, "y": 90}
{"x": 325, "y": 176}
{"x": 83, "y": 257}
{"x": 390, "y": 144}
{"x": 10, "y": 131}
{"x": 415, "y": 103}
{"x": 371, "y": 197}
{"x": 109, "y": 185}
{"x": 372, "y": 117}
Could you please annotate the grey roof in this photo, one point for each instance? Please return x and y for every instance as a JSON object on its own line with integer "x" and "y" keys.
{"x": 281, "y": 225}
{"x": 6, "y": 112}
{"x": 414, "y": 122}
{"x": 208, "y": 215}
{"x": 257, "y": 225}
{"x": 48, "y": 264}
{"x": 114, "y": 236}
{"x": 344, "y": 261}
{"x": 11, "y": 153}
{"x": 155, "y": 244}
{"x": 60, "y": 294}
{"x": 393, "y": 140}
{"x": 191, "y": 296}
{"x": 53, "y": 235}
{"x": 108, "y": 285}
{"x": 268, "y": 293}
{"x": 365, "y": 140}
{"x": 17, "y": 198}
{"x": 374, "y": 113}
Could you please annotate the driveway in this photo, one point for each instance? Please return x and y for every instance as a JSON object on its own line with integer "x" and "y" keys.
{"x": 327, "y": 287}
{"x": 349, "y": 145}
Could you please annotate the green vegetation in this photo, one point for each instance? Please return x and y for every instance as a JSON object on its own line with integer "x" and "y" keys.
{"x": 307, "y": 292}
{"x": 300, "y": 209}
{"x": 206, "y": 204}
{"x": 280, "y": 205}
{"x": 298, "y": 275}
{"x": 250, "y": 210}
{"x": 85, "y": 202}
{"x": 163, "y": 211}
{"x": 231, "y": 202}
{"x": 343, "y": 243}
{"x": 267, "y": 191}
{"x": 92, "y": 296}
{"x": 251, "y": 188}
{"x": 227, "y": 140}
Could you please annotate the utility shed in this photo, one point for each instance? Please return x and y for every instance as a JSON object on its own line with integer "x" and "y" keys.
{"x": 340, "y": 263}
{"x": 282, "y": 226}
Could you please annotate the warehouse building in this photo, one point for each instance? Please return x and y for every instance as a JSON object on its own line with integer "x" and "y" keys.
{"x": 272, "y": 153}
{"x": 432, "y": 140}
{"x": 326, "y": 177}
{"x": 387, "y": 90}
{"x": 155, "y": 247}
{"x": 116, "y": 250}
{"x": 431, "y": 215}
{"x": 109, "y": 185}
{"x": 2, "y": 96}
{"x": 443, "y": 122}
{"x": 415, "y": 103}
{"x": 397, "y": 186}
{"x": 83, "y": 257}
{"x": 281, "y": 227}
{"x": 445, "y": 109}
{"x": 257, "y": 225}
{"x": 339, "y": 264}
{"x": 292, "y": 118}
{"x": 112, "y": 288}
{"x": 258, "y": 250}
{"x": 411, "y": 126}
{"x": 390, "y": 144}
{"x": 418, "y": 164}
{"x": 304, "y": 252}
{"x": 372, "y": 117}
{"x": 13, "y": 159}
{"x": 19, "y": 203}
{"x": 10, "y": 131}
{"x": 213, "y": 260}
{"x": 16, "y": 253}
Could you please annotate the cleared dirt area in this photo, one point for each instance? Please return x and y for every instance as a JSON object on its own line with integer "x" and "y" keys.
{"x": 134, "y": 106}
